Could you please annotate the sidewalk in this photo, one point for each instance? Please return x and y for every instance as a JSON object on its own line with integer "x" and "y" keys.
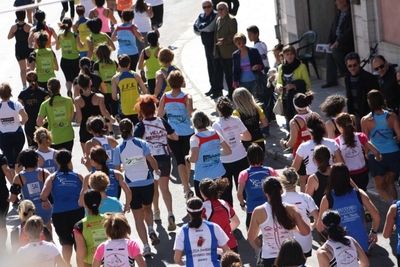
{"x": 192, "y": 61}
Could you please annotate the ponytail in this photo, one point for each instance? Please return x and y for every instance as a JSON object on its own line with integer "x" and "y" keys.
{"x": 194, "y": 207}
{"x": 213, "y": 189}
{"x": 322, "y": 157}
{"x": 53, "y": 85}
{"x": 92, "y": 200}
{"x": 316, "y": 127}
{"x": 346, "y": 123}
{"x": 63, "y": 158}
{"x": 331, "y": 220}
{"x": 104, "y": 168}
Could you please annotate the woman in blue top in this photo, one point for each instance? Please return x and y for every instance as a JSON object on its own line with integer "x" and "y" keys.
{"x": 65, "y": 186}
{"x": 381, "y": 125}
{"x": 205, "y": 151}
{"x": 350, "y": 203}
{"x": 30, "y": 183}
{"x": 178, "y": 107}
{"x": 46, "y": 154}
{"x": 126, "y": 34}
{"x": 133, "y": 153}
{"x": 393, "y": 219}
{"x": 246, "y": 61}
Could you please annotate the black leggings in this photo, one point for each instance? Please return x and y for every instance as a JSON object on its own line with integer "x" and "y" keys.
{"x": 232, "y": 170}
{"x": 11, "y": 144}
{"x": 71, "y": 6}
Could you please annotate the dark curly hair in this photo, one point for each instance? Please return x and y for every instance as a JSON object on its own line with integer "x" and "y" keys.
{"x": 333, "y": 105}
{"x": 225, "y": 106}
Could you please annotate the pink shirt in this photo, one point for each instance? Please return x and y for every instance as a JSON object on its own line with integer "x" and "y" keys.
{"x": 133, "y": 249}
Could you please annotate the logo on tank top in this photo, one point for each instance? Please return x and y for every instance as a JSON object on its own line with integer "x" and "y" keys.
{"x": 200, "y": 241}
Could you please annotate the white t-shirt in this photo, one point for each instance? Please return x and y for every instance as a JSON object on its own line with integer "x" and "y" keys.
{"x": 262, "y": 49}
{"x": 37, "y": 254}
{"x": 155, "y": 2}
{"x": 88, "y": 4}
{"x": 9, "y": 116}
{"x": 305, "y": 204}
{"x": 306, "y": 150}
{"x": 200, "y": 243}
{"x": 230, "y": 129}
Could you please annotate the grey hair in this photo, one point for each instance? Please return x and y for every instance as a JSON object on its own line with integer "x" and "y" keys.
{"x": 200, "y": 120}
{"x": 224, "y": 4}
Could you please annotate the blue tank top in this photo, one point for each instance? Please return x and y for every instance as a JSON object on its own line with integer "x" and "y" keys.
{"x": 382, "y": 135}
{"x": 104, "y": 144}
{"x": 48, "y": 160}
{"x": 253, "y": 188}
{"x": 177, "y": 114}
{"x": 209, "y": 164}
{"x": 397, "y": 222}
{"x": 352, "y": 213}
{"x": 66, "y": 190}
{"x": 126, "y": 40}
{"x": 113, "y": 190}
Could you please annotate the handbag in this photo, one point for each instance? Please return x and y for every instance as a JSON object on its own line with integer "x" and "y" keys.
{"x": 278, "y": 107}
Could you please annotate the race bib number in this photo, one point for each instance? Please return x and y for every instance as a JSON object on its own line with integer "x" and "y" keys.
{"x": 59, "y": 113}
{"x": 7, "y": 121}
{"x": 67, "y": 45}
{"x": 33, "y": 189}
{"x": 46, "y": 63}
{"x": 99, "y": 236}
{"x": 109, "y": 74}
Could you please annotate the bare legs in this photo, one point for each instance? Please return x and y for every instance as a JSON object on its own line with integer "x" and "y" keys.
{"x": 163, "y": 184}
{"x": 184, "y": 174}
{"x": 142, "y": 215}
{"x": 22, "y": 68}
{"x": 386, "y": 187}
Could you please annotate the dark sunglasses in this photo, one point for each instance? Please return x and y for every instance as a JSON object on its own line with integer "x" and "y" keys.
{"x": 204, "y": 7}
{"x": 379, "y": 67}
{"x": 352, "y": 65}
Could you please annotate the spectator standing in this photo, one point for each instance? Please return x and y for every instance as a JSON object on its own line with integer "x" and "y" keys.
{"x": 225, "y": 29}
{"x": 387, "y": 82}
{"x": 205, "y": 27}
{"x": 341, "y": 42}
{"x": 233, "y": 5}
{"x": 358, "y": 83}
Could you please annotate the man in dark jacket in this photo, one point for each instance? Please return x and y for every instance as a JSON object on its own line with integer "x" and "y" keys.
{"x": 233, "y": 5}
{"x": 205, "y": 26}
{"x": 387, "y": 82}
{"x": 358, "y": 83}
{"x": 341, "y": 42}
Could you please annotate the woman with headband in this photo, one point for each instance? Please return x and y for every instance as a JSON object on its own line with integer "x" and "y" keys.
{"x": 197, "y": 234}
{"x": 298, "y": 130}
{"x": 303, "y": 202}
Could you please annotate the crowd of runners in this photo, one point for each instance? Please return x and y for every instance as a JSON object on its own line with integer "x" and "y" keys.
{"x": 143, "y": 91}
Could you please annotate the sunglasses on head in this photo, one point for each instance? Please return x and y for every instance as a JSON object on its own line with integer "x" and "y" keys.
{"x": 209, "y": 6}
{"x": 352, "y": 65}
{"x": 379, "y": 67}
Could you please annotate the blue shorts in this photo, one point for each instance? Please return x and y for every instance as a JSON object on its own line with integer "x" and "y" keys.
{"x": 390, "y": 163}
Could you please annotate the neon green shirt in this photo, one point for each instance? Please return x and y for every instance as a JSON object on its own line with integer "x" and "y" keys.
{"x": 69, "y": 48}
{"x": 44, "y": 64}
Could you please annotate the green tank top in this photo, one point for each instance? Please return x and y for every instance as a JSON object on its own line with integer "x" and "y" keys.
{"x": 98, "y": 39}
{"x": 107, "y": 71}
{"x": 152, "y": 63}
{"x": 69, "y": 48}
{"x": 44, "y": 64}
{"x": 94, "y": 234}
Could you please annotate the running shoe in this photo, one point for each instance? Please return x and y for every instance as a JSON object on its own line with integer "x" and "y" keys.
{"x": 189, "y": 194}
{"x": 171, "y": 223}
{"x": 156, "y": 216}
{"x": 146, "y": 251}
{"x": 260, "y": 261}
{"x": 62, "y": 15}
{"x": 154, "y": 238}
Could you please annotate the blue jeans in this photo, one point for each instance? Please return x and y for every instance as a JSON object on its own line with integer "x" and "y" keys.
{"x": 251, "y": 86}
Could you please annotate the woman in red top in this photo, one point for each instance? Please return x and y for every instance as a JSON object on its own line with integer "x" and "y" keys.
{"x": 217, "y": 210}
{"x": 298, "y": 130}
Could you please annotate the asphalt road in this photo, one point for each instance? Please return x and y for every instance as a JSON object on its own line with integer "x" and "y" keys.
{"x": 176, "y": 31}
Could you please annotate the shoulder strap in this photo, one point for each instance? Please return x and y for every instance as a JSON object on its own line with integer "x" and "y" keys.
{"x": 298, "y": 124}
{"x": 334, "y": 124}
{"x": 20, "y": 179}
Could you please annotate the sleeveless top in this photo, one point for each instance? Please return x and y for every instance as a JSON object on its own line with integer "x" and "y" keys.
{"x": 382, "y": 135}
{"x": 273, "y": 234}
{"x": 397, "y": 223}
{"x": 88, "y": 109}
{"x": 209, "y": 163}
{"x": 165, "y": 71}
{"x": 98, "y": 39}
{"x": 177, "y": 115}
{"x": 93, "y": 233}
{"x": 105, "y": 27}
{"x": 353, "y": 156}
{"x": 142, "y": 21}
{"x": 342, "y": 255}
{"x": 66, "y": 190}
{"x": 352, "y": 213}
{"x": 126, "y": 40}
{"x": 107, "y": 71}
{"x": 116, "y": 253}
{"x": 303, "y": 134}
{"x": 103, "y": 140}
{"x": 21, "y": 37}
{"x": 152, "y": 63}
{"x": 128, "y": 93}
{"x": 113, "y": 190}
{"x": 253, "y": 188}
{"x": 155, "y": 135}
{"x": 320, "y": 192}
{"x": 337, "y": 132}
{"x": 69, "y": 49}
{"x": 49, "y": 33}
{"x": 44, "y": 64}
{"x": 252, "y": 124}
{"x": 83, "y": 32}
{"x": 48, "y": 160}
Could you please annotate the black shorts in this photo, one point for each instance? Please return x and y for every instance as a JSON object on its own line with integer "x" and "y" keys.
{"x": 12, "y": 144}
{"x": 151, "y": 85}
{"x": 302, "y": 170}
{"x": 21, "y": 54}
{"x": 142, "y": 195}
{"x": 157, "y": 19}
{"x": 180, "y": 148}
{"x": 66, "y": 145}
{"x": 84, "y": 135}
{"x": 164, "y": 165}
{"x": 70, "y": 68}
{"x": 248, "y": 219}
{"x": 64, "y": 224}
{"x": 4, "y": 207}
{"x": 361, "y": 179}
{"x": 134, "y": 61}
{"x": 268, "y": 262}
{"x": 390, "y": 163}
{"x": 111, "y": 104}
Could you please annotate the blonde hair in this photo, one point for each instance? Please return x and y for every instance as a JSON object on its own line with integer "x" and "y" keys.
{"x": 34, "y": 227}
{"x": 245, "y": 102}
{"x": 99, "y": 181}
{"x": 26, "y": 209}
{"x": 42, "y": 135}
{"x": 289, "y": 178}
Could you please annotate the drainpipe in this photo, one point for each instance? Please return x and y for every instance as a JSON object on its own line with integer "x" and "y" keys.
{"x": 309, "y": 15}
{"x": 278, "y": 21}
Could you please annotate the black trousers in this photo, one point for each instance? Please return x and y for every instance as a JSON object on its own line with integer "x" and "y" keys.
{"x": 224, "y": 67}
